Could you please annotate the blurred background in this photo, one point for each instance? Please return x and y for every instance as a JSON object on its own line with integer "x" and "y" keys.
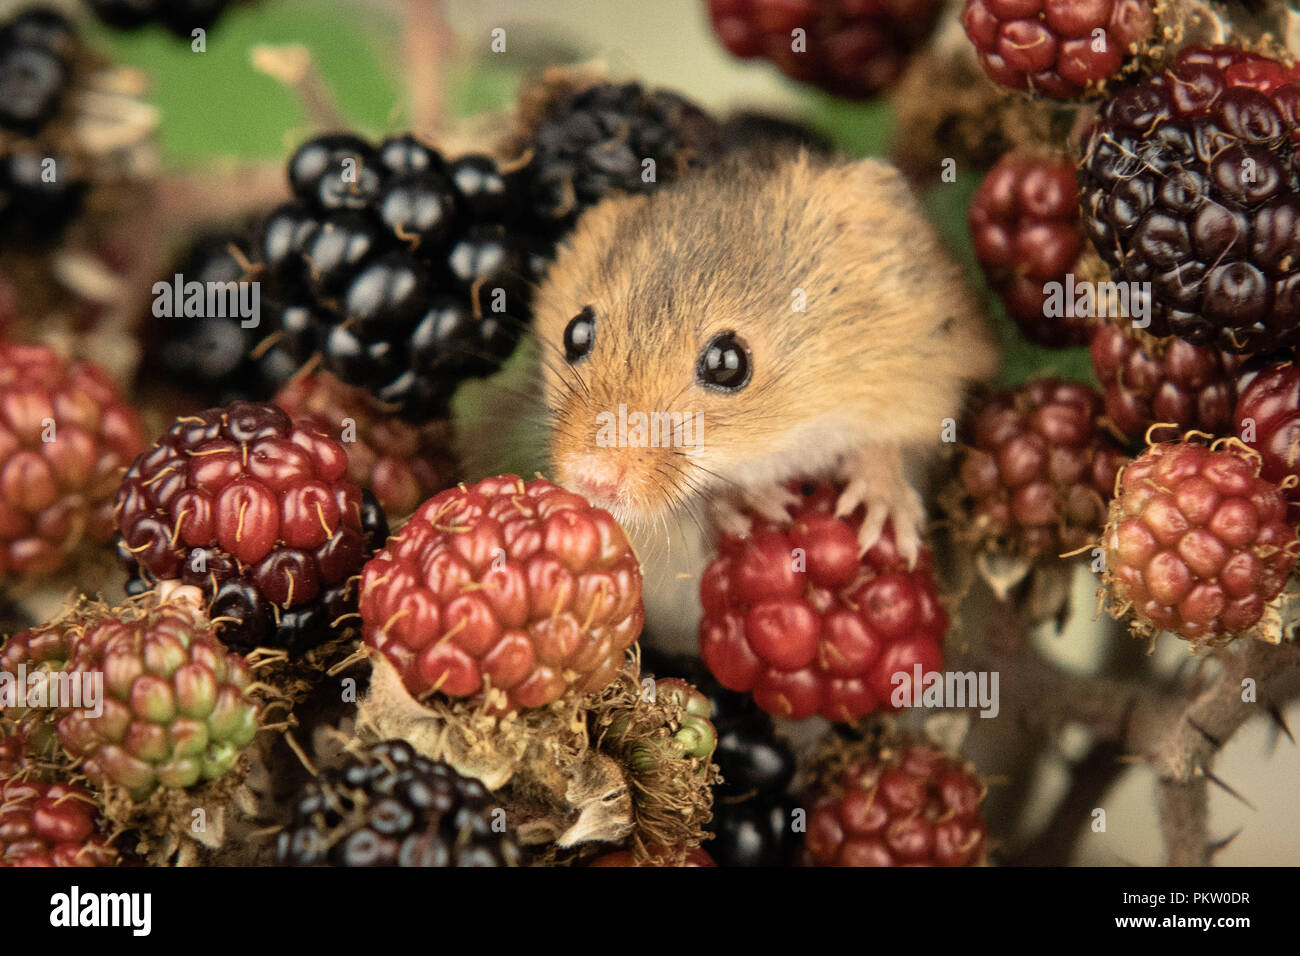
{"x": 219, "y": 110}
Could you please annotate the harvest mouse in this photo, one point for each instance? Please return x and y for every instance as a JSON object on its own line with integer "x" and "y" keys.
{"x": 771, "y": 318}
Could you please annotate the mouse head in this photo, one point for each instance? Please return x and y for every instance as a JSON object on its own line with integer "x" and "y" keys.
{"x": 668, "y": 338}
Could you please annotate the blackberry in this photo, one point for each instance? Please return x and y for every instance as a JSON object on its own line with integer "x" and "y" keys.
{"x": 1150, "y": 380}
{"x": 751, "y": 823}
{"x": 1190, "y": 182}
{"x": 595, "y": 142}
{"x": 212, "y": 356}
{"x": 1024, "y": 220}
{"x": 852, "y": 48}
{"x": 1051, "y": 47}
{"x": 38, "y": 48}
{"x": 258, "y": 511}
{"x": 389, "y": 806}
{"x": 405, "y": 271}
{"x": 181, "y": 17}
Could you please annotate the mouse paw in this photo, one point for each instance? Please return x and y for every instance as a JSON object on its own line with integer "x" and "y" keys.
{"x": 771, "y": 502}
{"x": 733, "y": 516}
{"x": 876, "y": 480}
{"x": 729, "y": 518}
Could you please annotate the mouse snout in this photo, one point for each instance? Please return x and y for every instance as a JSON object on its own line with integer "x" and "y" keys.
{"x": 595, "y": 478}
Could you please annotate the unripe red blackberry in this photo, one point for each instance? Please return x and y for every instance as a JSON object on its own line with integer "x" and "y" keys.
{"x": 402, "y": 464}
{"x": 1267, "y": 419}
{"x": 390, "y": 806}
{"x": 1198, "y": 544}
{"x": 1024, "y": 220}
{"x": 66, "y": 435}
{"x": 793, "y": 615}
{"x": 1034, "y": 478}
{"x": 1057, "y": 48}
{"x": 1149, "y": 380}
{"x": 175, "y": 708}
{"x": 852, "y": 48}
{"x": 259, "y": 513}
{"x": 1189, "y": 182}
{"x": 50, "y": 824}
{"x": 517, "y": 589}
{"x": 910, "y": 805}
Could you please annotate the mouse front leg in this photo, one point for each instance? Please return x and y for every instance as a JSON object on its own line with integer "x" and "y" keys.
{"x": 875, "y": 478}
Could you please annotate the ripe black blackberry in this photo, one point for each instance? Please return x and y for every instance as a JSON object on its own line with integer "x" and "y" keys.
{"x": 405, "y": 271}
{"x": 1190, "y": 181}
{"x": 751, "y": 823}
{"x": 179, "y": 16}
{"x": 213, "y": 357}
{"x": 589, "y": 143}
{"x": 41, "y": 190}
{"x": 392, "y": 807}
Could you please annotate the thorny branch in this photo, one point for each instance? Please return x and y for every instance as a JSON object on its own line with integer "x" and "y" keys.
{"x": 1176, "y": 729}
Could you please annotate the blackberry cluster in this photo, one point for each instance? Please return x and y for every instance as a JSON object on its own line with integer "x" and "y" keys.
{"x": 1037, "y": 472}
{"x": 594, "y": 142}
{"x": 179, "y": 16}
{"x": 852, "y": 48}
{"x": 406, "y": 271}
{"x": 751, "y": 823}
{"x": 1190, "y": 182}
{"x": 41, "y": 192}
{"x": 213, "y": 356}
{"x": 392, "y": 807}
{"x": 1051, "y": 47}
{"x": 1024, "y": 220}
{"x": 257, "y": 511}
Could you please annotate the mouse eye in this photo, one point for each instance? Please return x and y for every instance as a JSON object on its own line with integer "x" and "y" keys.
{"x": 580, "y": 334}
{"x": 725, "y": 362}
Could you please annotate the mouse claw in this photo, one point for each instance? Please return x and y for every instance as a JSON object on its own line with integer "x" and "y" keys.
{"x": 877, "y": 483}
{"x": 730, "y": 519}
{"x": 771, "y": 502}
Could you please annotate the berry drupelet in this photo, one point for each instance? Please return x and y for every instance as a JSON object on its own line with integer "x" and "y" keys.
{"x": 389, "y": 806}
{"x": 259, "y": 513}
{"x": 1190, "y": 182}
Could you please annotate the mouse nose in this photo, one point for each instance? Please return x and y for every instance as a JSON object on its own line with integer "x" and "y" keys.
{"x": 596, "y": 479}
